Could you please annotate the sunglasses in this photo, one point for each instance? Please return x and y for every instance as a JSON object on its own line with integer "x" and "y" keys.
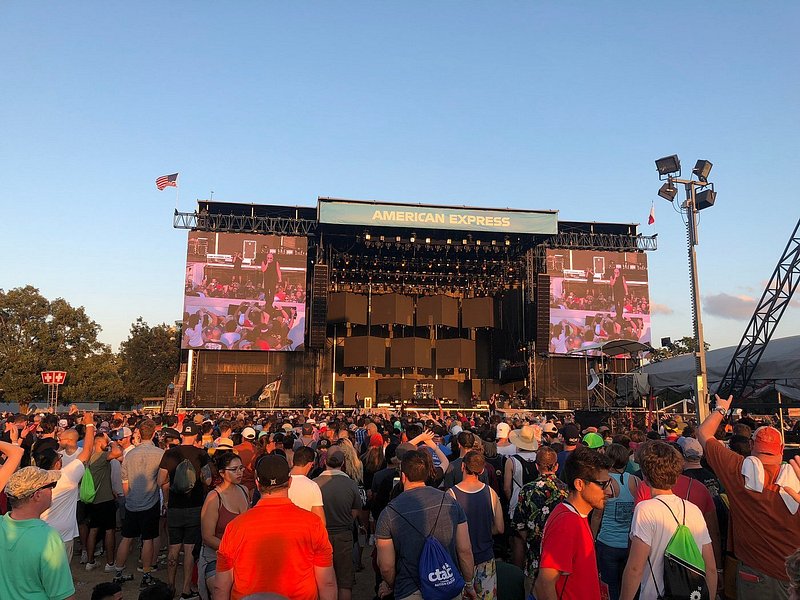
{"x": 235, "y": 469}
{"x": 602, "y": 484}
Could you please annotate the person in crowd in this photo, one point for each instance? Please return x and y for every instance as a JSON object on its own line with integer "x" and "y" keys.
{"x": 61, "y": 514}
{"x": 504, "y": 447}
{"x": 183, "y": 504}
{"x": 142, "y": 503}
{"x": 536, "y": 502}
{"x": 305, "y": 492}
{"x": 764, "y": 518}
{"x": 514, "y": 477}
{"x": 484, "y": 519}
{"x": 453, "y": 473}
{"x": 401, "y": 530}
{"x": 568, "y": 564}
{"x": 342, "y": 505}
{"x": 291, "y": 541}
{"x": 247, "y": 452}
{"x": 654, "y": 522}
{"x": 611, "y": 524}
{"x": 103, "y": 509}
{"x": 33, "y": 561}
{"x": 572, "y": 437}
{"x": 223, "y": 504}
{"x": 12, "y": 453}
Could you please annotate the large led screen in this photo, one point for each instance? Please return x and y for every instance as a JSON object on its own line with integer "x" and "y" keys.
{"x": 244, "y": 292}
{"x": 595, "y": 297}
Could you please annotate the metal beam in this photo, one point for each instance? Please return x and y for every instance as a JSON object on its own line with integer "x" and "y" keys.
{"x": 243, "y": 224}
{"x": 767, "y": 315}
{"x": 603, "y": 241}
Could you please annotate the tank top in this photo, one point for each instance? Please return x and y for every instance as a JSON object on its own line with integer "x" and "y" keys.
{"x": 224, "y": 516}
{"x": 617, "y": 515}
{"x": 478, "y": 508}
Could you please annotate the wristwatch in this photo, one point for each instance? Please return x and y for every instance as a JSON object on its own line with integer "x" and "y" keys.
{"x": 722, "y": 411}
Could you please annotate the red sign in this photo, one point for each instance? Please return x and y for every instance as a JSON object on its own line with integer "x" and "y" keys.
{"x": 53, "y": 377}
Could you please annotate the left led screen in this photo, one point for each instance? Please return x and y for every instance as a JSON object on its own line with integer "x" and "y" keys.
{"x": 244, "y": 292}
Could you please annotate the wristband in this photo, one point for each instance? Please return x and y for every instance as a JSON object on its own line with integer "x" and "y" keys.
{"x": 721, "y": 411}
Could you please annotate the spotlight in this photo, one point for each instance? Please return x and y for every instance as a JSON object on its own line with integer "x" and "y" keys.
{"x": 367, "y": 236}
{"x": 427, "y": 240}
{"x": 494, "y": 242}
{"x": 478, "y": 242}
{"x": 397, "y": 239}
{"x": 449, "y": 241}
{"x": 702, "y": 168}
{"x": 508, "y": 242}
{"x": 381, "y": 238}
{"x": 413, "y": 238}
{"x": 464, "y": 242}
{"x": 705, "y": 199}
{"x": 668, "y": 165}
{"x": 668, "y": 191}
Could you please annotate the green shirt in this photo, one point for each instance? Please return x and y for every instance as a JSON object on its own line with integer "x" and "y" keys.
{"x": 33, "y": 561}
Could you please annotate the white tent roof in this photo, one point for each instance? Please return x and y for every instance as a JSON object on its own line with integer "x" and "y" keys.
{"x": 780, "y": 364}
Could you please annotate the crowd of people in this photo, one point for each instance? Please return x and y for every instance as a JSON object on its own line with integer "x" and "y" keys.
{"x": 250, "y": 326}
{"x": 445, "y": 505}
{"x": 570, "y": 335}
{"x": 246, "y": 289}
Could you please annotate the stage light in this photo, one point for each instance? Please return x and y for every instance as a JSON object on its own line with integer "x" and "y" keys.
{"x": 705, "y": 199}
{"x": 702, "y": 168}
{"x": 367, "y": 236}
{"x": 427, "y": 240}
{"x": 668, "y": 191}
{"x": 381, "y": 238}
{"x": 449, "y": 241}
{"x": 494, "y": 242}
{"x": 413, "y": 238}
{"x": 478, "y": 242}
{"x": 464, "y": 242}
{"x": 397, "y": 239}
{"x": 668, "y": 165}
{"x": 508, "y": 242}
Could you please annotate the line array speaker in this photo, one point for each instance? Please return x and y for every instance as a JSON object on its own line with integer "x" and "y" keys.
{"x": 542, "y": 312}
{"x": 319, "y": 306}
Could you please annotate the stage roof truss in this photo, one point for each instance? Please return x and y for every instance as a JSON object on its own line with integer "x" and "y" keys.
{"x": 232, "y": 223}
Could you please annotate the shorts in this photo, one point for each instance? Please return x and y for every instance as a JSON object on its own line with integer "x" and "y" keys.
{"x": 183, "y": 525}
{"x": 103, "y": 515}
{"x": 82, "y": 513}
{"x": 142, "y": 523}
{"x": 343, "y": 558}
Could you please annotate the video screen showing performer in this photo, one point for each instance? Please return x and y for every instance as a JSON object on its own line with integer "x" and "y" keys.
{"x": 596, "y": 297}
{"x": 244, "y": 292}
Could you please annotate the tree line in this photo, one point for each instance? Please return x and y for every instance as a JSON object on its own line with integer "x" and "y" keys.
{"x": 37, "y": 334}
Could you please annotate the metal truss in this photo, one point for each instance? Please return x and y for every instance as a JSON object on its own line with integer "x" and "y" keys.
{"x": 243, "y": 224}
{"x": 602, "y": 241}
{"x": 766, "y": 317}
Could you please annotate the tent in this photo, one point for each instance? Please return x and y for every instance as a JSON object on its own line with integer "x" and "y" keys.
{"x": 778, "y": 369}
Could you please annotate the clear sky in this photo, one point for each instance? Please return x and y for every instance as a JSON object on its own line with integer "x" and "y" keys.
{"x": 538, "y": 105}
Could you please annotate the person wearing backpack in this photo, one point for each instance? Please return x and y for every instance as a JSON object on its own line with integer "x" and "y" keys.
{"x": 184, "y": 493}
{"x": 422, "y": 540}
{"x": 669, "y": 537}
{"x": 520, "y": 469}
{"x": 102, "y": 509}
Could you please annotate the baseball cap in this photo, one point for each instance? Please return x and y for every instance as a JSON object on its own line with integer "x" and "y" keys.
{"x": 323, "y": 444}
{"x": 593, "y": 440}
{"x": 690, "y": 447}
{"x": 224, "y": 444}
{"x": 334, "y": 459}
{"x": 503, "y": 429}
{"x": 63, "y": 423}
{"x": 121, "y": 433}
{"x": 272, "y": 469}
{"x": 190, "y": 428}
{"x": 402, "y": 449}
{"x": 170, "y": 433}
{"x": 28, "y": 480}
{"x": 550, "y": 428}
{"x": 375, "y": 440}
{"x": 287, "y": 427}
{"x": 767, "y": 440}
{"x": 248, "y": 433}
{"x": 571, "y": 434}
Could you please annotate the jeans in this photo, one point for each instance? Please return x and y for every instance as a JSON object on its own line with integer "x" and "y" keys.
{"x": 611, "y": 564}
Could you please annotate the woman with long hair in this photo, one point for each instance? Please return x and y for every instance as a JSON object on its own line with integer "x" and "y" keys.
{"x": 224, "y": 503}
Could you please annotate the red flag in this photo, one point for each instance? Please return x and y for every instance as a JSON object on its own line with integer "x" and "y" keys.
{"x": 652, "y": 218}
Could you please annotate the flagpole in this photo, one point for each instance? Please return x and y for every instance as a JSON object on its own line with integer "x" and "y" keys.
{"x": 176, "y": 193}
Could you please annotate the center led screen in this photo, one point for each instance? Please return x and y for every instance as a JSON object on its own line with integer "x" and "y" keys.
{"x": 596, "y": 297}
{"x": 244, "y": 292}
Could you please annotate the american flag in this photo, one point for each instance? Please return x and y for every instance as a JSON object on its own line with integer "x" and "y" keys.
{"x": 167, "y": 181}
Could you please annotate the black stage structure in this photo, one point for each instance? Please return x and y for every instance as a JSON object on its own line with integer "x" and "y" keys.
{"x": 407, "y": 303}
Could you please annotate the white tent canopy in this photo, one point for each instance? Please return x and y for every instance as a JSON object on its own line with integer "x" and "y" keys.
{"x": 779, "y": 365}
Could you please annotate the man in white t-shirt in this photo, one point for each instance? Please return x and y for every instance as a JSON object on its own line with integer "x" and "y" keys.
{"x": 303, "y": 492}
{"x": 68, "y": 445}
{"x": 62, "y": 512}
{"x": 504, "y": 447}
{"x": 654, "y": 523}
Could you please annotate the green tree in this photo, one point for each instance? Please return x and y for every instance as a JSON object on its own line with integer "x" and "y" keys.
{"x": 150, "y": 358}
{"x": 685, "y": 345}
{"x": 37, "y": 334}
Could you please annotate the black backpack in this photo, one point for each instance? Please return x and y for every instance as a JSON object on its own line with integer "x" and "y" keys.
{"x": 529, "y": 470}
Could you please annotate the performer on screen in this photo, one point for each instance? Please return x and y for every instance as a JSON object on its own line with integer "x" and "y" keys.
{"x": 271, "y": 273}
{"x": 237, "y": 268}
{"x": 619, "y": 288}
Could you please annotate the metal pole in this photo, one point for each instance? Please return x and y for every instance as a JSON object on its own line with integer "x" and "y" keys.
{"x": 780, "y": 413}
{"x": 333, "y": 370}
{"x": 701, "y": 382}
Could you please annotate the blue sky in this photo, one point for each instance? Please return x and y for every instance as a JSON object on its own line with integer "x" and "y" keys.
{"x": 510, "y": 104}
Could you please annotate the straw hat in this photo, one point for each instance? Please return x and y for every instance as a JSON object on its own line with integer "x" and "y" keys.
{"x": 524, "y": 438}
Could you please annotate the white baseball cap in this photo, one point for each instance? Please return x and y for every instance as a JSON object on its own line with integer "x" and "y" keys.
{"x": 503, "y": 429}
{"x": 248, "y": 433}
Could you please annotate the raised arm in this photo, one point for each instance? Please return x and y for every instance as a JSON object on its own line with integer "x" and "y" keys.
{"x": 712, "y": 422}
{"x": 88, "y": 439}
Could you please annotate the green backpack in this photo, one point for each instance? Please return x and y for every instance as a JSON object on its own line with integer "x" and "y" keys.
{"x": 87, "y": 491}
{"x": 684, "y": 567}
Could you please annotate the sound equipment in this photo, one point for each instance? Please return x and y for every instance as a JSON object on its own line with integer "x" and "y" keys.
{"x": 542, "y": 312}
{"x": 319, "y": 306}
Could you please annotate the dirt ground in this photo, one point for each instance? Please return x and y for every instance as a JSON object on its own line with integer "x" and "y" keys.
{"x": 86, "y": 580}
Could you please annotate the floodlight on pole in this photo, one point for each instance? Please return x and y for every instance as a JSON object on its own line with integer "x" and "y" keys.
{"x": 669, "y": 168}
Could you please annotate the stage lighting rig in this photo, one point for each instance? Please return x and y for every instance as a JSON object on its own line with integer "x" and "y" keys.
{"x": 700, "y": 194}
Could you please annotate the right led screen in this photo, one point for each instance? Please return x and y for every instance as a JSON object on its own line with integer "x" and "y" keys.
{"x": 595, "y": 297}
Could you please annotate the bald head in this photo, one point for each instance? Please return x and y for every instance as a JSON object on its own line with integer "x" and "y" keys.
{"x": 68, "y": 440}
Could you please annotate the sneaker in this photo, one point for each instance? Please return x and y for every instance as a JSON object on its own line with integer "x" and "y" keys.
{"x": 90, "y": 566}
{"x": 110, "y": 568}
{"x": 153, "y": 568}
{"x": 84, "y": 557}
{"x": 148, "y": 580}
{"x": 122, "y": 577}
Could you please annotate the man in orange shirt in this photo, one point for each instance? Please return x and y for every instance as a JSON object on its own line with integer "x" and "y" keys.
{"x": 275, "y": 546}
{"x": 765, "y": 529}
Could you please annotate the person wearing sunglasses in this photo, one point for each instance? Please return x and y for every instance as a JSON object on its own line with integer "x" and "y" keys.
{"x": 568, "y": 564}
{"x": 30, "y": 549}
{"x": 224, "y": 503}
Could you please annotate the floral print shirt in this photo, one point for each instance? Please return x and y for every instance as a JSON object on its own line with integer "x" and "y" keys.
{"x": 536, "y": 501}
